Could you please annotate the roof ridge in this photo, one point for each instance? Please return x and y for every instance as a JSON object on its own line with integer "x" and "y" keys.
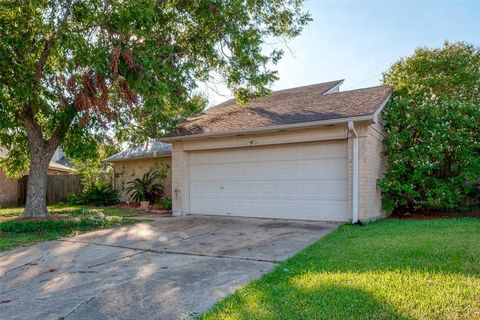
{"x": 230, "y": 101}
{"x": 155, "y": 148}
{"x": 296, "y": 105}
{"x": 310, "y": 85}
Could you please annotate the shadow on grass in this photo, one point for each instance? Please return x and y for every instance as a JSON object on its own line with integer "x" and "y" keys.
{"x": 328, "y": 302}
{"x": 428, "y": 268}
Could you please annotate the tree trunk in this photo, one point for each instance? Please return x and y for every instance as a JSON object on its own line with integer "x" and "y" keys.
{"x": 41, "y": 153}
{"x": 36, "y": 202}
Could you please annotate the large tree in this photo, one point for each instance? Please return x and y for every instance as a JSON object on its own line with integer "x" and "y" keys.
{"x": 73, "y": 69}
{"x": 433, "y": 129}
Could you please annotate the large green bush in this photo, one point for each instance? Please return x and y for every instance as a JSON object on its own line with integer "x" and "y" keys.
{"x": 98, "y": 195}
{"x": 432, "y": 124}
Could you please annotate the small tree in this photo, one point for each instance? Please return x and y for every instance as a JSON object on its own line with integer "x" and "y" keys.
{"x": 92, "y": 169}
{"x": 73, "y": 69}
{"x": 432, "y": 127}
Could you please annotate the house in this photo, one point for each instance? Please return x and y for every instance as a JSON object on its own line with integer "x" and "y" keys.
{"x": 134, "y": 162}
{"x": 55, "y": 168}
{"x": 60, "y": 157}
{"x": 311, "y": 153}
{"x": 9, "y": 188}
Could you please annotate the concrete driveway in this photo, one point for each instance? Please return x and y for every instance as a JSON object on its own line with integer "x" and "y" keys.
{"x": 172, "y": 268}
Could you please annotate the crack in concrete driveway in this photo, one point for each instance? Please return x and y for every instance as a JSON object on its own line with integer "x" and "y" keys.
{"x": 198, "y": 254}
{"x": 173, "y": 268}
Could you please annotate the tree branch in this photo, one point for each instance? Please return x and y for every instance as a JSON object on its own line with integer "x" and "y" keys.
{"x": 29, "y": 112}
{"x": 43, "y": 59}
{"x": 63, "y": 127}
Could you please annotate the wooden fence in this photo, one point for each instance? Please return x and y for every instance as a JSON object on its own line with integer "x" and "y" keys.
{"x": 58, "y": 186}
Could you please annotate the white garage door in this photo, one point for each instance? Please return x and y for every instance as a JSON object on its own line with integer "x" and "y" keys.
{"x": 301, "y": 181}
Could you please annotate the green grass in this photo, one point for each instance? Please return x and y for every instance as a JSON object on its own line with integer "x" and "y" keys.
{"x": 16, "y": 233}
{"x": 14, "y": 212}
{"x": 390, "y": 269}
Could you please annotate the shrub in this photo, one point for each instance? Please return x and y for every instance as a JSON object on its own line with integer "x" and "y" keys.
{"x": 98, "y": 195}
{"x": 432, "y": 126}
{"x": 149, "y": 187}
{"x": 82, "y": 219}
{"x": 32, "y": 226}
{"x": 90, "y": 217}
{"x": 73, "y": 199}
{"x": 166, "y": 203}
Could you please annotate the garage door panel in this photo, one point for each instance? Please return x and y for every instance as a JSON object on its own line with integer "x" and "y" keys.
{"x": 306, "y": 181}
{"x": 324, "y": 169}
{"x": 300, "y": 170}
{"x": 324, "y": 190}
{"x": 328, "y": 211}
{"x": 206, "y": 205}
{"x": 325, "y": 151}
{"x": 233, "y": 171}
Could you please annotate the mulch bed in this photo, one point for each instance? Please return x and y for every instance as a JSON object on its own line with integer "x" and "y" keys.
{"x": 136, "y": 206}
{"x": 130, "y": 205}
{"x": 434, "y": 215}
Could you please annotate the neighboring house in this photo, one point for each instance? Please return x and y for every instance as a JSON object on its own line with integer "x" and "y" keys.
{"x": 134, "y": 162}
{"x": 9, "y": 188}
{"x": 60, "y": 157}
{"x": 55, "y": 168}
{"x": 310, "y": 153}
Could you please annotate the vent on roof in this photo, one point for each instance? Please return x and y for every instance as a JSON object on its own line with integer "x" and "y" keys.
{"x": 334, "y": 89}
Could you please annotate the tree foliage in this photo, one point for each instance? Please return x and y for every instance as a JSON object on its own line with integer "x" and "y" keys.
{"x": 92, "y": 169}
{"x": 73, "y": 71}
{"x": 73, "y": 68}
{"x": 433, "y": 129}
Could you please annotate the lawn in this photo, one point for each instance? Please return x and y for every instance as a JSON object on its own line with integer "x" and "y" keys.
{"x": 13, "y": 233}
{"x": 390, "y": 269}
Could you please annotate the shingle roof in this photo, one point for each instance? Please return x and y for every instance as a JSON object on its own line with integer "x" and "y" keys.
{"x": 65, "y": 162}
{"x": 297, "y": 105}
{"x": 51, "y": 166}
{"x": 59, "y": 167}
{"x": 149, "y": 149}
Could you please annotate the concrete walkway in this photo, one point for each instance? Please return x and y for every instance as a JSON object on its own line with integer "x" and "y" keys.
{"x": 171, "y": 268}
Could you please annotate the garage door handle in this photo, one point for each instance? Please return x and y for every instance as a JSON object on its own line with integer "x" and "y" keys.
{"x": 222, "y": 188}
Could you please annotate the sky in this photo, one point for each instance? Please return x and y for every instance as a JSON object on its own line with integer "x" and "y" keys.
{"x": 358, "y": 40}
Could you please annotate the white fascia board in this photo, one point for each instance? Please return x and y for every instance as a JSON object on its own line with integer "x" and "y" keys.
{"x": 301, "y": 125}
{"x": 380, "y": 109}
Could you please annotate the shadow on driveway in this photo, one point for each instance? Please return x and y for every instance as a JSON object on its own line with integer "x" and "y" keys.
{"x": 168, "y": 269}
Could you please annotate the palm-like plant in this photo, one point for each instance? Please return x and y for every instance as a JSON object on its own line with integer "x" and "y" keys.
{"x": 147, "y": 188}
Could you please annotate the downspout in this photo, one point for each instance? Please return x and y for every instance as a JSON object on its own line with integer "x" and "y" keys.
{"x": 351, "y": 128}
